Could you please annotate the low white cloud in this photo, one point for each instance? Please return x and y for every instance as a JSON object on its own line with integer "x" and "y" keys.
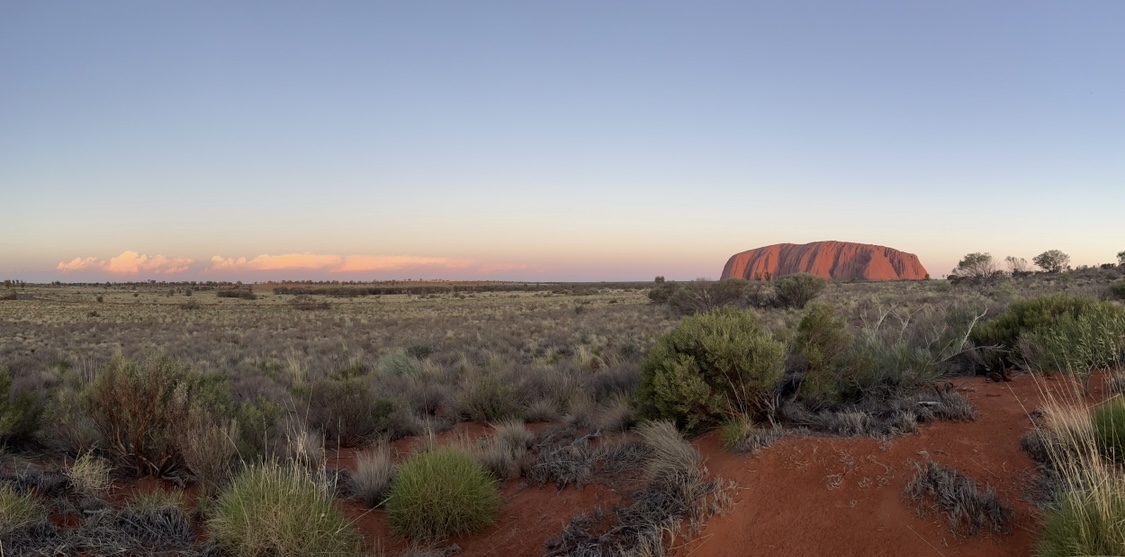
{"x": 337, "y": 263}
{"x": 128, "y": 263}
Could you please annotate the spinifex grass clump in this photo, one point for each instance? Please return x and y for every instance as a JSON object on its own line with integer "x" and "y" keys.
{"x": 19, "y": 511}
{"x": 1109, "y": 429}
{"x": 1088, "y": 520}
{"x": 270, "y": 510}
{"x": 374, "y": 471}
{"x": 441, "y": 493}
{"x": 1089, "y": 491}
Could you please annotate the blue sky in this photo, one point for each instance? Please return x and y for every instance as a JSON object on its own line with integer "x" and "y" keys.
{"x": 550, "y": 140}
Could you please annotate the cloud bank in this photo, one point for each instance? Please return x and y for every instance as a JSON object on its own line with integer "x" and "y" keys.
{"x": 129, "y": 263}
{"x": 132, "y": 264}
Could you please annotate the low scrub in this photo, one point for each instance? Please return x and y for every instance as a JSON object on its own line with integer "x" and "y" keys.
{"x": 138, "y": 409}
{"x": 675, "y": 497}
{"x": 273, "y": 510}
{"x": 374, "y": 471}
{"x": 441, "y": 493}
{"x": 1116, "y": 290}
{"x": 969, "y": 509}
{"x": 90, "y": 475}
{"x": 1026, "y": 316}
{"x": 1077, "y": 344}
{"x": 20, "y": 413}
{"x": 795, "y": 291}
{"x": 827, "y": 348}
{"x": 711, "y": 366}
{"x": 349, "y": 412}
{"x": 19, "y": 511}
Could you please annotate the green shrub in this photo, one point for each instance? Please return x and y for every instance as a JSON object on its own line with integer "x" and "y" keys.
{"x": 707, "y": 295}
{"x": 1077, "y": 344}
{"x": 826, "y": 345}
{"x": 20, "y": 413}
{"x": 1116, "y": 290}
{"x": 138, "y": 409}
{"x": 711, "y": 366}
{"x": 1088, "y": 522}
{"x": 19, "y": 511}
{"x": 1109, "y": 428}
{"x": 486, "y": 398}
{"x": 794, "y": 291}
{"x": 348, "y": 412}
{"x": 1026, "y": 316}
{"x": 269, "y": 510}
{"x": 245, "y": 294}
{"x": 440, "y": 493}
{"x": 663, "y": 292}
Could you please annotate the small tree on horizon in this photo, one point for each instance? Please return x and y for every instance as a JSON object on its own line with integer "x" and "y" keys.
{"x": 1121, "y": 258}
{"x": 977, "y": 268}
{"x": 1016, "y": 265}
{"x": 1052, "y": 261}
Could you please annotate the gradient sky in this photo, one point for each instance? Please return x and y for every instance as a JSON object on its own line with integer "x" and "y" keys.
{"x": 577, "y": 140}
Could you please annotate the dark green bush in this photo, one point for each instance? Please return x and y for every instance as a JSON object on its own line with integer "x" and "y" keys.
{"x": 1109, "y": 428}
{"x": 827, "y": 348}
{"x": 794, "y": 291}
{"x": 441, "y": 493}
{"x": 706, "y": 295}
{"x": 138, "y": 409}
{"x": 245, "y": 294}
{"x": 663, "y": 292}
{"x": 711, "y": 366}
{"x": 1026, "y": 316}
{"x": 484, "y": 398}
{"x": 1079, "y": 344}
{"x": 1117, "y": 290}
{"x": 348, "y": 412}
{"x": 20, "y": 413}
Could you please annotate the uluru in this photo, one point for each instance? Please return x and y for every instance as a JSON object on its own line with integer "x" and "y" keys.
{"x": 830, "y": 260}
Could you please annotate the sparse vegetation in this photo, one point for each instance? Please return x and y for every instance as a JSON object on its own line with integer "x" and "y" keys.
{"x": 266, "y": 382}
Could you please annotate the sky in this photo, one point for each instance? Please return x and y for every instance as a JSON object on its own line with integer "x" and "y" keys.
{"x": 549, "y": 141}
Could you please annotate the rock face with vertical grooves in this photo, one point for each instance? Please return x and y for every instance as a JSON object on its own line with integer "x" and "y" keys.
{"x": 830, "y": 260}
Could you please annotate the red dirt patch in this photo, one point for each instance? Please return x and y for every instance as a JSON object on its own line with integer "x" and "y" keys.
{"x": 803, "y": 496}
{"x": 818, "y": 495}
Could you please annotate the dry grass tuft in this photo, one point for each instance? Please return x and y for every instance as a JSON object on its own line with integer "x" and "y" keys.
{"x": 968, "y": 509}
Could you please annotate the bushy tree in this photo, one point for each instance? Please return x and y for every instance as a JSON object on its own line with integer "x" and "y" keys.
{"x": 827, "y": 347}
{"x": 1121, "y": 258}
{"x": 1016, "y": 265}
{"x": 977, "y": 268}
{"x": 794, "y": 291}
{"x": 1052, "y": 261}
{"x": 713, "y": 365}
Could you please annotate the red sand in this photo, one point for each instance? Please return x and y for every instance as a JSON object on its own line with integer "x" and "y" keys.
{"x": 809, "y": 496}
{"x": 803, "y": 496}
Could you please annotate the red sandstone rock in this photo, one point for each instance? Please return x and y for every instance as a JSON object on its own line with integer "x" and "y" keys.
{"x": 830, "y": 260}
